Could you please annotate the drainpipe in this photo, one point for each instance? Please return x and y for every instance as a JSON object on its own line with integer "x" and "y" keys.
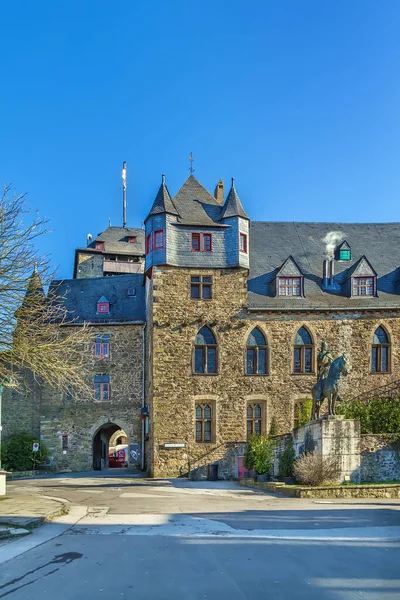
{"x": 143, "y": 391}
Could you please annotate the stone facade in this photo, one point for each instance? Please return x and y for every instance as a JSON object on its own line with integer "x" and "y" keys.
{"x": 49, "y": 415}
{"x": 380, "y": 458}
{"x": 175, "y": 389}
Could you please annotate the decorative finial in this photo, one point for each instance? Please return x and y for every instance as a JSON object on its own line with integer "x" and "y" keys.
{"x": 233, "y": 182}
{"x": 191, "y": 169}
{"x": 163, "y": 178}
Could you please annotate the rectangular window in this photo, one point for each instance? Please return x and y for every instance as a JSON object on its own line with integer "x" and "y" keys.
{"x": 363, "y": 286}
{"x": 344, "y": 254}
{"x": 64, "y": 441}
{"x": 243, "y": 243}
{"x": 207, "y": 242}
{"x": 99, "y": 245}
{"x": 132, "y": 239}
{"x": 289, "y": 286}
{"x": 253, "y": 419}
{"x": 204, "y": 424}
{"x": 195, "y": 242}
{"x": 102, "y": 346}
{"x": 158, "y": 239}
{"x": 201, "y": 287}
{"x": 148, "y": 244}
{"x": 69, "y": 393}
{"x": 102, "y": 387}
{"x": 103, "y": 307}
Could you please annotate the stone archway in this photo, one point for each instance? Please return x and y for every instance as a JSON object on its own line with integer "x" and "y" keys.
{"x": 101, "y": 443}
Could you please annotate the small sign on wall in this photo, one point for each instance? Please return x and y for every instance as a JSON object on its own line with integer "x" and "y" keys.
{"x": 171, "y": 445}
{"x": 35, "y": 447}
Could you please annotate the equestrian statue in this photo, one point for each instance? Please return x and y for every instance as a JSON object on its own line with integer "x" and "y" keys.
{"x": 327, "y": 386}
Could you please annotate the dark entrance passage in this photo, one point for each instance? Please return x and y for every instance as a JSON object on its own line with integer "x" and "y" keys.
{"x": 101, "y": 445}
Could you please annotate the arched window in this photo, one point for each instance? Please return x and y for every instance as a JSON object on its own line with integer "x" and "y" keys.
{"x": 203, "y": 423}
{"x": 205, "y": 352}
{"x": 256, "y": 353}
{"x": 380, "y": 351}
{"x": 303, "y": 352}
{"x": 253, "y": 415}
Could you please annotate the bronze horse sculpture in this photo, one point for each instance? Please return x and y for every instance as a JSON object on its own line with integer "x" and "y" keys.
{"x": 327, "y": 388}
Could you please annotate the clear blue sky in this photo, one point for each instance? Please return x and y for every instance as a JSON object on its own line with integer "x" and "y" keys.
{"x": 299, "y": 100}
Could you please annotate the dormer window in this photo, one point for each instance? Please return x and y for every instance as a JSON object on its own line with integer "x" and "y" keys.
{"x": 343, "y": 252}
{"x": 132, "y": 239}
{"x": 132, "y": 291}
{"x": 363, "y": 286}
{"x": 103, "y": 306}
{"x": 99, "y": 245}
{"x": 289, "y": 286}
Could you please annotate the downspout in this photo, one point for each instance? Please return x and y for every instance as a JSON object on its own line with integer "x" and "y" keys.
{"x": 143, "y": 391}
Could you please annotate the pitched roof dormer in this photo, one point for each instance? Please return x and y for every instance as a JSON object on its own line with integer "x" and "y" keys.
{"x": 289, "y": 279}
{"x": 363, "y": 279}
{"x": 103, "y": 306}
{"x": 343, "y": 251}
{"x": 163, "y": 202}
{"x": 233, "y": 206}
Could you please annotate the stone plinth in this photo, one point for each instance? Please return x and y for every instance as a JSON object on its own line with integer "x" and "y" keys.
{"x": 333, "y": 436}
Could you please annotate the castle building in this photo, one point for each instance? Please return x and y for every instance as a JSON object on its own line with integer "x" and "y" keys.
{"x": 217, "y": 333}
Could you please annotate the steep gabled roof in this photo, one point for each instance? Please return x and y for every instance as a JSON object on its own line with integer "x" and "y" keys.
{"x": 344, "y": 246}
{"x": 196, "y": 206}
{"x": 362, "y": 268}
{"x": 233, "y": 207}
{"x": 163, "y": 202}
{"x": 289, "y": 269}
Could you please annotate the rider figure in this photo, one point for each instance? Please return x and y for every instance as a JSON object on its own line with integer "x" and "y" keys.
{"x": 324, "y": 361}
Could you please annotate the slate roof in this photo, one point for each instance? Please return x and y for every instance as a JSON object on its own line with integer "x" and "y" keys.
{"x": 162, "y": 203}
{"x": 81, "y": 296}
{"x": 195, "y": 205}
{"x": 233, "y": 207}
{"x": 116, "y": 241}
{"x": 272, "y": 242}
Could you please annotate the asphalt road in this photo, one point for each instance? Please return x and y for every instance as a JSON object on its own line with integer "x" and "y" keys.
{"x": 173, "y": 539}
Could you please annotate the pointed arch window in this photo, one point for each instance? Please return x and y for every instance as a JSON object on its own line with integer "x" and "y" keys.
{"x": 380, "y": 351}
{"x": 303, "y": 352}
{"x": 205, "y": 352}
{"x": 256, "y": 353}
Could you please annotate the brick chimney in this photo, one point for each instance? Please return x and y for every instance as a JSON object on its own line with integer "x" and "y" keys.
{"x": 219, "y": 192}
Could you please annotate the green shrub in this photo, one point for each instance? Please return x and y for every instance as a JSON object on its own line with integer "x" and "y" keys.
{"x": 305, "y": 408}
{"x": 262, "y": 449}
{"x": 286, "y": 460}
{"x": 376, "y": 416}
{"x": 17, "y": 453}
{"x": 273, "y": 428}
{"x": 248, "y": 458}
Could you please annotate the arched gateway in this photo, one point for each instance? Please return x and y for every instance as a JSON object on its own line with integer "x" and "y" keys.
{"x": 101, "y": 444}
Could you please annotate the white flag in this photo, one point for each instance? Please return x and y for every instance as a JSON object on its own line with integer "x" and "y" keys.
{"x": 124, "y": 178}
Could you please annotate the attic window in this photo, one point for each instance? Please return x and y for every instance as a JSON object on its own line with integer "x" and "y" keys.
{"x": 132, "y": 239}
{"x": 363, "y": 286}
{"x": 103, "y": 306}
{"x": 289, "y": 286}
{"x": 345, "y": 254}
{"x": 131, "y": 291}
{"x": 99, "y": 245}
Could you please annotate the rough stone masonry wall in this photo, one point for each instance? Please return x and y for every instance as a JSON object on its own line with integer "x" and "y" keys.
{"x": 53, "y": 415}
{"x": 380, "y": 458}
{"x": 176, "y": 390}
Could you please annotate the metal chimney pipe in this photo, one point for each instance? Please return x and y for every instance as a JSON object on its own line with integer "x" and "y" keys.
{"x": 331, "y": 272}
{"x": 325, "y": 273}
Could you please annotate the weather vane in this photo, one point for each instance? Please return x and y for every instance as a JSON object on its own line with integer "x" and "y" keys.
{"x": 191, "y": 168}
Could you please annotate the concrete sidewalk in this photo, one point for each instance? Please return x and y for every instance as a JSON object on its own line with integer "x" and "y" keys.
{"x": 20, "y": 512}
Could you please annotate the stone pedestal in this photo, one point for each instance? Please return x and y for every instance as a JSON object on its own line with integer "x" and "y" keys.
{"x": 3, "y": 483}
{"x": 333, "y": 436}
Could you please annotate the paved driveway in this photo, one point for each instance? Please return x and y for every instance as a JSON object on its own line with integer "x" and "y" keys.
{"x": 138, "y": 538}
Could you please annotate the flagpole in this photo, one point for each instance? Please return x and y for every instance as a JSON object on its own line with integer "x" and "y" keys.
{"x": 124, "y": 193}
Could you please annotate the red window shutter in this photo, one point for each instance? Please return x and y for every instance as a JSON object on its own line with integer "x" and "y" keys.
{"x": 243, "y": 243}
{"x": 158, "y": 239}
{"x": 195, "y": 242}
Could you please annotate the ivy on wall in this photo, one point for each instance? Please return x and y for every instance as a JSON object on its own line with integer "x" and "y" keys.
{"x": 376, "y": 416}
